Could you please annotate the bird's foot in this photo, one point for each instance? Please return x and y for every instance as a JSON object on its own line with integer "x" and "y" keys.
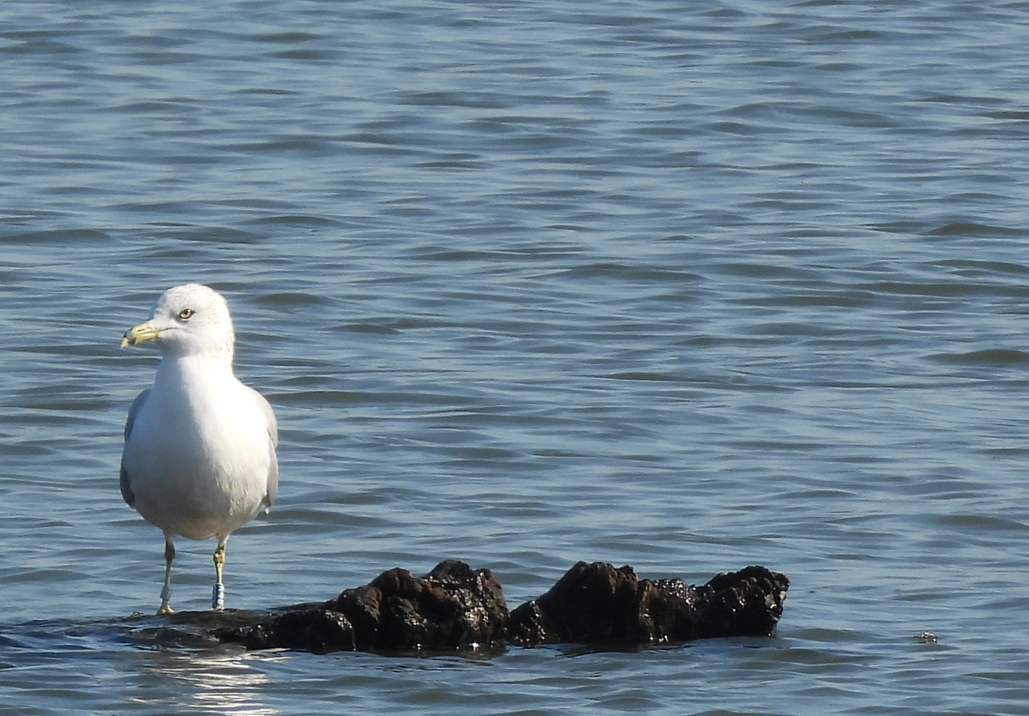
{"x": 165, "y": 607}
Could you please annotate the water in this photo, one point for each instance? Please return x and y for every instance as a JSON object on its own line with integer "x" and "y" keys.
{"x": 687, "y": 287}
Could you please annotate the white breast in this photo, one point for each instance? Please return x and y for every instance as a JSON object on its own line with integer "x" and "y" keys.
{"x": 199, "y": 454}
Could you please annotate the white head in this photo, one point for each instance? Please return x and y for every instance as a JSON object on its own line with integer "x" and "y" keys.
{"x": 187, "y": 320}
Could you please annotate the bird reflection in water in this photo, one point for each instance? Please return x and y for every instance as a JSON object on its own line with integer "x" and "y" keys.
{"x": 211, "y": 682}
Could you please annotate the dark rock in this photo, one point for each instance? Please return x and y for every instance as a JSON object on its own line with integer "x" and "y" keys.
{"x": 744, "y": 603}
{"x": 456, "y": 607}
{"x": 600, "y": 605}
{"x": 452, "y": 607}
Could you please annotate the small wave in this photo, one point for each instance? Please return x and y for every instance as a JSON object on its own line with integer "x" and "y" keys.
{"x": 989, "y": 356}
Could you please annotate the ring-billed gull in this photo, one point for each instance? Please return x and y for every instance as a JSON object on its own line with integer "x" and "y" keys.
{"x": 199, "y": 457}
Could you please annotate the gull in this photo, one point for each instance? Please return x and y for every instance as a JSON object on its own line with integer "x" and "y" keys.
{"x": 199, "y": 456}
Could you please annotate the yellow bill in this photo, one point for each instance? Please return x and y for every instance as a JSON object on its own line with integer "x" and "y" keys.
{"x": 138, "y": 334}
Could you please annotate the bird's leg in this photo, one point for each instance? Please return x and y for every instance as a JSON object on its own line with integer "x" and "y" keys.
{"x": 169, "y": 557}
{"x": 218, "y": 597}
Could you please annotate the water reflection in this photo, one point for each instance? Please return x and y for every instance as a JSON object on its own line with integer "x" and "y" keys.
{"x": 207, "y": 682}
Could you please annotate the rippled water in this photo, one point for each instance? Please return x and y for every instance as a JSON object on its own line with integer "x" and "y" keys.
{"x": 687, "y": 287}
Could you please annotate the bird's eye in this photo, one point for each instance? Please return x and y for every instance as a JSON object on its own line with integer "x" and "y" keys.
{"x": 185, "y": 313}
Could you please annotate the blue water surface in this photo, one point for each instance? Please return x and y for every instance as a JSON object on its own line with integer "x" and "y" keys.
{"x": 681, "y": 286}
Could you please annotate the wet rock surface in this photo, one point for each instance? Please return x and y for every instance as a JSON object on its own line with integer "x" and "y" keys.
{"x": 456, "y": 607}
{"x": 452, "y": 607}
{"x": 601, "y": 605}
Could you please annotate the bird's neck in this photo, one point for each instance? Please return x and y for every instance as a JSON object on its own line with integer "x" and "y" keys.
{"x": 202, "y": 368}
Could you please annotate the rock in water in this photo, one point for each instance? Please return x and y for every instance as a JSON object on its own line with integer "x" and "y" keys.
{"x": 456, "y": 607}
{"x": 452, "y": 607}
{"x": 601, "y": 605}
{"x": 744, "y": 603}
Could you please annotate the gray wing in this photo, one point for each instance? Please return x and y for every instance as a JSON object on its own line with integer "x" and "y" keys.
{"x": 273, "y": 434}
{"x": 126, "y": 488}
